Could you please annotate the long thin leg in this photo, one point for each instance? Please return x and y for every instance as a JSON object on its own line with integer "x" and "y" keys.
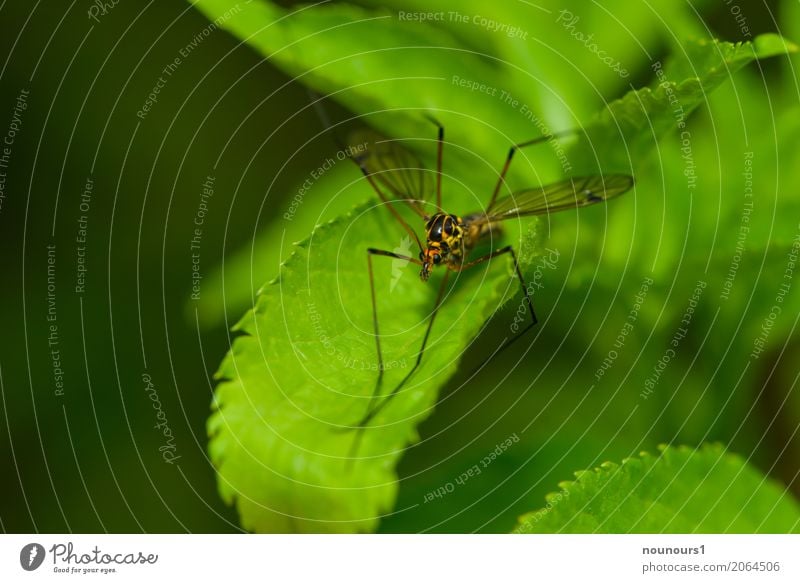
{"x": 323, "y": 116}
{"x": 508, "y": 249}
{"x": 502, "y": 178}
{"x": 388, "y": 202}
{"x": 377, "y": 408}
{"x": 379, "y": 381}
{"x": 370, "y": 253}
{"x": 440, "y": 143}
{"x": 362, "y": 425}
{"x": 506, "y": 343}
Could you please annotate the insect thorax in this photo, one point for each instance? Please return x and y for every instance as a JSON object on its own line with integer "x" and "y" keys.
{"x": 446, "y": 232}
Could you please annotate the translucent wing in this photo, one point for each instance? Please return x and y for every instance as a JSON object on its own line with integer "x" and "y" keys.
{"x": 571, "y": 193}
{"x": 393, "y": 167}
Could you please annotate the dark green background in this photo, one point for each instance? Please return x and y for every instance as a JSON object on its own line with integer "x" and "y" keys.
{"x": 89, "y": 460}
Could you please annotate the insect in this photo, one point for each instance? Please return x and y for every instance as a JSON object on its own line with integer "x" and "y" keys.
{"x": 397, "y": 175}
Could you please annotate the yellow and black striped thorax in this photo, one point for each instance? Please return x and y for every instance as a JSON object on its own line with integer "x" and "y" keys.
{"x": 445, "y": 232}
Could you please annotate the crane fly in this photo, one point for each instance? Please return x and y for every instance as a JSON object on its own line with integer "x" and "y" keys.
{"x": 396, "y": 175}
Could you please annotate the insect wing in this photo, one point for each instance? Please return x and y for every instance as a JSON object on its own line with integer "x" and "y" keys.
{"x": 568, "y": 194}
{"x": 393, "y": 167}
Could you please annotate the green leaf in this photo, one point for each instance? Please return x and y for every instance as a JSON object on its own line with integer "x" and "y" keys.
{"x": 637, "y": 121}
{"x": 305, "y": 365}
{"x": 715, "y": 60}
{"x": 680, "y": 491}
{"x": 231, "y": 288}
{"x": 370, "y": 60}
{"x": 546, "y": 39}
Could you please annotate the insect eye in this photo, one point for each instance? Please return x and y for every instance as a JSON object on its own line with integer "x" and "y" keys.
{"x": 448, "y": 228}
{"x": 437, "y": 259}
